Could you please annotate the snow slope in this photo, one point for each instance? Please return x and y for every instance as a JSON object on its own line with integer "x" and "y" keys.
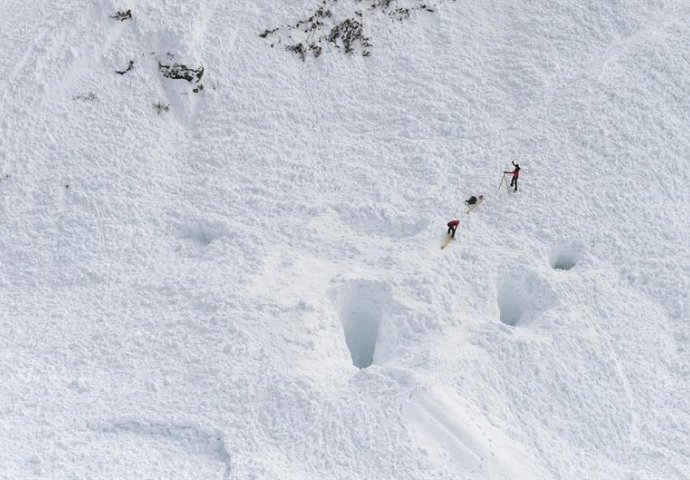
{"x": 185, "y": 294}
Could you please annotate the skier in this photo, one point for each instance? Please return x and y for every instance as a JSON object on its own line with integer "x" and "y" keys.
{"x": 473, "y": 200}
{"x": 452, "y": 227}
{"x": 516, "y": 174}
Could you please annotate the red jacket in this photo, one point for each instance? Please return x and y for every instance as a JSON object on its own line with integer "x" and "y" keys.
{"x": 454, "y": 223}
{"x": 516, "y": 172}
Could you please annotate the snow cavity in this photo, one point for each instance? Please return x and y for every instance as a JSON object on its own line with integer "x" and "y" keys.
{"x": 522, "y": 298}
{"x": 361, "y": 306}
{"x": 565, "y": 257}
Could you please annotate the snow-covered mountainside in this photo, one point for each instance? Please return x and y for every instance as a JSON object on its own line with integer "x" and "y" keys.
{"x": 224, "y": 262}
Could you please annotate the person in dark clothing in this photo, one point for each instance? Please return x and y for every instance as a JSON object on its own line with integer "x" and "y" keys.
{"x": 473, "y": 200}
{"x": 452, "y": 227}
{"x": 516, "y": 174}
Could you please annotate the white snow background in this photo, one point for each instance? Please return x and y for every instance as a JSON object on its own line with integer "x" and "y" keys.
{"x": 185, "y": 295}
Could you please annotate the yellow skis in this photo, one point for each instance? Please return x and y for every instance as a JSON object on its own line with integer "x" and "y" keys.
{"x": 447, "y": 240}
{"x": 472, "y": 207}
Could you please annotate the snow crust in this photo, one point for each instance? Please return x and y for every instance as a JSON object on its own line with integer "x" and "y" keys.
{"x": 190, "y": 293}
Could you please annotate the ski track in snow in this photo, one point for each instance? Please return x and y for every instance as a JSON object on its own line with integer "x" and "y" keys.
{"x": 184, "y": 294}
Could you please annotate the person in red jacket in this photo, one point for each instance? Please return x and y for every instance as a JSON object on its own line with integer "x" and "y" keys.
{"x": 516, "y": 174}
{"x": 452, "y": 227}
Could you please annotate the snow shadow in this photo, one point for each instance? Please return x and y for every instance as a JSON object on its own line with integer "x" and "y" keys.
{"x": 203, "y": 233}
{"x": 565, "y": 257}
{"x": 522, "y": 298}
{"x": 189, "y": 439}
{"x": 362, "y": 304}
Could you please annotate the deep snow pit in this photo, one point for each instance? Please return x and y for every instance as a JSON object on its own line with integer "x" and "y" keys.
{"x": 361, "y": 306}
{"x": 511, "y": 303}
{"x": 521, "y": 299}
{"x": 565, "y": 257}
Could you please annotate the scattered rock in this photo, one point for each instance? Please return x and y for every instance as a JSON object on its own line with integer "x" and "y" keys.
{"x": 129, "y": 67}
{"x": 122, "y": 16}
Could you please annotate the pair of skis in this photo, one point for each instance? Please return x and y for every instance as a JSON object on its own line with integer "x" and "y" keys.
{"x": 448, "y": 239}
{"x": 472, "y": 207}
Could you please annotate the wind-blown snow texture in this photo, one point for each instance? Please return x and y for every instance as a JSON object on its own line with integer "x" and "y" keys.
{"x": 183, "y": 293}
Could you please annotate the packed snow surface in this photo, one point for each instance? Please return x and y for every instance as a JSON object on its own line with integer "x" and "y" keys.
{"x": 246, "y": 282}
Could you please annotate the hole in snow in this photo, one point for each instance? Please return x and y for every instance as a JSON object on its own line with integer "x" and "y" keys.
{"x": 565, "y": 257}
{"x": 361, "y": 305}
{"x": 521, "y": 299}
{"x": 511, "y": 303}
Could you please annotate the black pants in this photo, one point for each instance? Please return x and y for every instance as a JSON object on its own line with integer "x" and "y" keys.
{"x": 451, "y": 230}
{"x": 513, "y": 182}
